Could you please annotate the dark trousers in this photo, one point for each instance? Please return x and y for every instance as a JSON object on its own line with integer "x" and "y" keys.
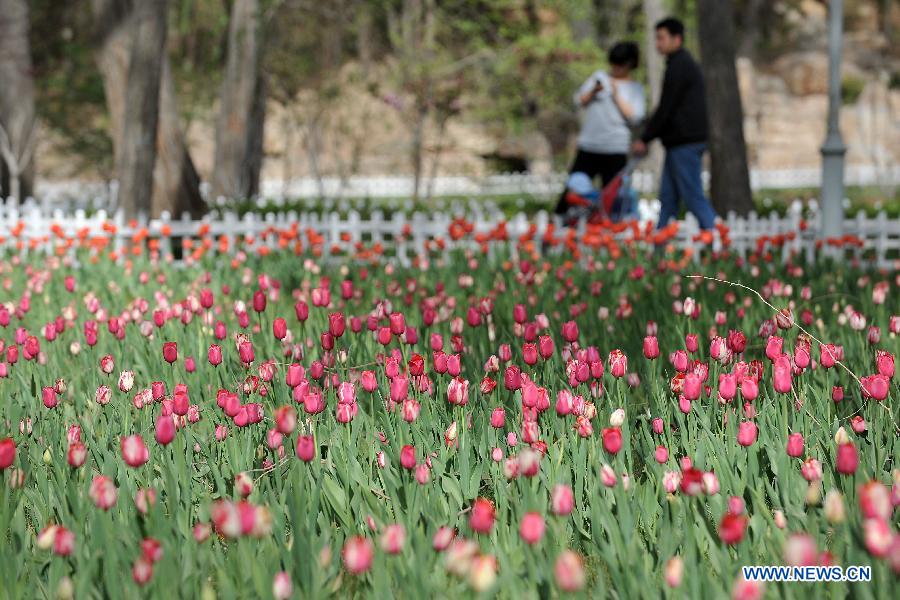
{"x": 681, "y": 183}
{"x": 606, "y": 166}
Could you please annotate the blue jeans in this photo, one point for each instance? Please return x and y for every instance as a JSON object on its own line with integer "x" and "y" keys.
{"x": 681, "y": 181}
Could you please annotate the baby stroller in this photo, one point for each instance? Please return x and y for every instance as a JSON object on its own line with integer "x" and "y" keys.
{"x": 617, "y": 201}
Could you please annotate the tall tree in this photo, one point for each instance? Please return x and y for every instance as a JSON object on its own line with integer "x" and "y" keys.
{"x": 176, "y": 184}
{"x": 138, "y": 156}
{"x": 730, "y": 179}
{"x": 239, "y": 130}
{"x": 17, "y": 115}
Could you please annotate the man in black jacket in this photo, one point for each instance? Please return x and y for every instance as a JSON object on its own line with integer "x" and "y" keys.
{"x": 680, "y": 123}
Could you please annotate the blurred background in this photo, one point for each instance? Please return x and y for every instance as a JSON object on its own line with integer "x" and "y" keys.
{"x": 259, "y": 98}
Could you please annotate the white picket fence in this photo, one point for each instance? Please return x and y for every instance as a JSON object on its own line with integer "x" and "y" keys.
{"x": 405, "y": 234}
{"x": 80, "y": 194}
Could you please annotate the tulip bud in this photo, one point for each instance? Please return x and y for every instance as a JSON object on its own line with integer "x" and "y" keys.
{"x": 834, "y": 507}
{"x": 674, "y": 570}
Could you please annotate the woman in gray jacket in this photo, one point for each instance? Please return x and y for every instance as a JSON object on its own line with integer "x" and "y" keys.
{"x": 612, "y": 103}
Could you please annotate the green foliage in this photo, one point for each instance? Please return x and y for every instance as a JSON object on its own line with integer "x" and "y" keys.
{"x": 70, "y": 96}
{"x": 851, "y": 89}
{"x": 627, "y": 533}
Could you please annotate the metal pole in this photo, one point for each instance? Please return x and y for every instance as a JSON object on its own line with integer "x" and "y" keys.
{"x": 833, "y": 149}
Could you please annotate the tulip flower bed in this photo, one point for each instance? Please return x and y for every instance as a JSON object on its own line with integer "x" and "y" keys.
{"x": 526, "y": 428}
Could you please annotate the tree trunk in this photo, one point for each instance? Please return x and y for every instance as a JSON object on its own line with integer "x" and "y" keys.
{"x": 17, "y": 115}
{"x": 750, "y": 28}
{"x": 418, "y": 142}
{"x": 730, "y": 179}
{"x": 239, "y": 130}
{"x": 364, "y": 29}
{"x": 176, "y": 184}
{"x": 138, "y": 155}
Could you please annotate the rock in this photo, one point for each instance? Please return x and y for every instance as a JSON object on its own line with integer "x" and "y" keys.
{"x": 804, "y": 73}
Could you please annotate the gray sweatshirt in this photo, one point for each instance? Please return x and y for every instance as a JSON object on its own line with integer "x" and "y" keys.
{"x": 604, "y": 130}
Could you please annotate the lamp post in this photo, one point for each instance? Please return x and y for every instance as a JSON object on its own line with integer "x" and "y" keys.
{"x": 833, "y": 149}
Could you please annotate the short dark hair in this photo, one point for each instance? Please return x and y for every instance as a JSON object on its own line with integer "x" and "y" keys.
{"x": 624, "y": 54}
{"x": 672, "y": 25}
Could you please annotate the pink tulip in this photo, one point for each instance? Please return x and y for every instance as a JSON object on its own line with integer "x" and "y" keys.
{"x": 531, "y": 528}
{"x": 562, "y": 500}
{"x": 692, "y": 386}
{"x": 783, "y": 374}
{"x": 442, "y": 538}
{"x": 569, "y": 571}
{"x": 662, "y": 454}
{"x": 875, "y": 501}
{"x": 393, "y": 539}
{"x": 498, "y": 418}
{"x": 214, "y": 355}
{"x": 727, "y": 385}
{"x": 357, "y": 554}
{"x": 885, "y": 364}
{"x": 747, "y": 431}
{"x": 795, "y": 445}
{"x": 282, "y": 587}
{"x": 618, "y": 363}
{"x": 48, "y": 396}
{"x": 103, "y": 492}
{"x": 408, "y": 457}
{"x": 749, "y": 389}
{"x": 170, "y": 352}
{"x": 134, "y": 452}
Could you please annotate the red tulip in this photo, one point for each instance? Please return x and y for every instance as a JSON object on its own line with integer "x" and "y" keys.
{"x": 691, "y": 343}
{"x": 48, "y": 396}
{"x": 336, "y": 324}
{"x": 279, "y": 328}
{"x": 170, "y": 352}
{"x": 520, "y": 315}
{"x": 612, "y": 439}
{"x": 245, "y": 351}
{"x": 301, "y": 309}
{"x": 259, "y": 301}
{"x": 847, "y": 459}
{"x": 732, "y": 527}
{"x": 408, "y": 457}
{"x": 481, "y": 519}
{"x": 651, "y": 347}
{"x": 165, "y": 429}
{"x": 306, "y": 447}
{"x": 7, "y": 453}
{"x": 570, "y": 331}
